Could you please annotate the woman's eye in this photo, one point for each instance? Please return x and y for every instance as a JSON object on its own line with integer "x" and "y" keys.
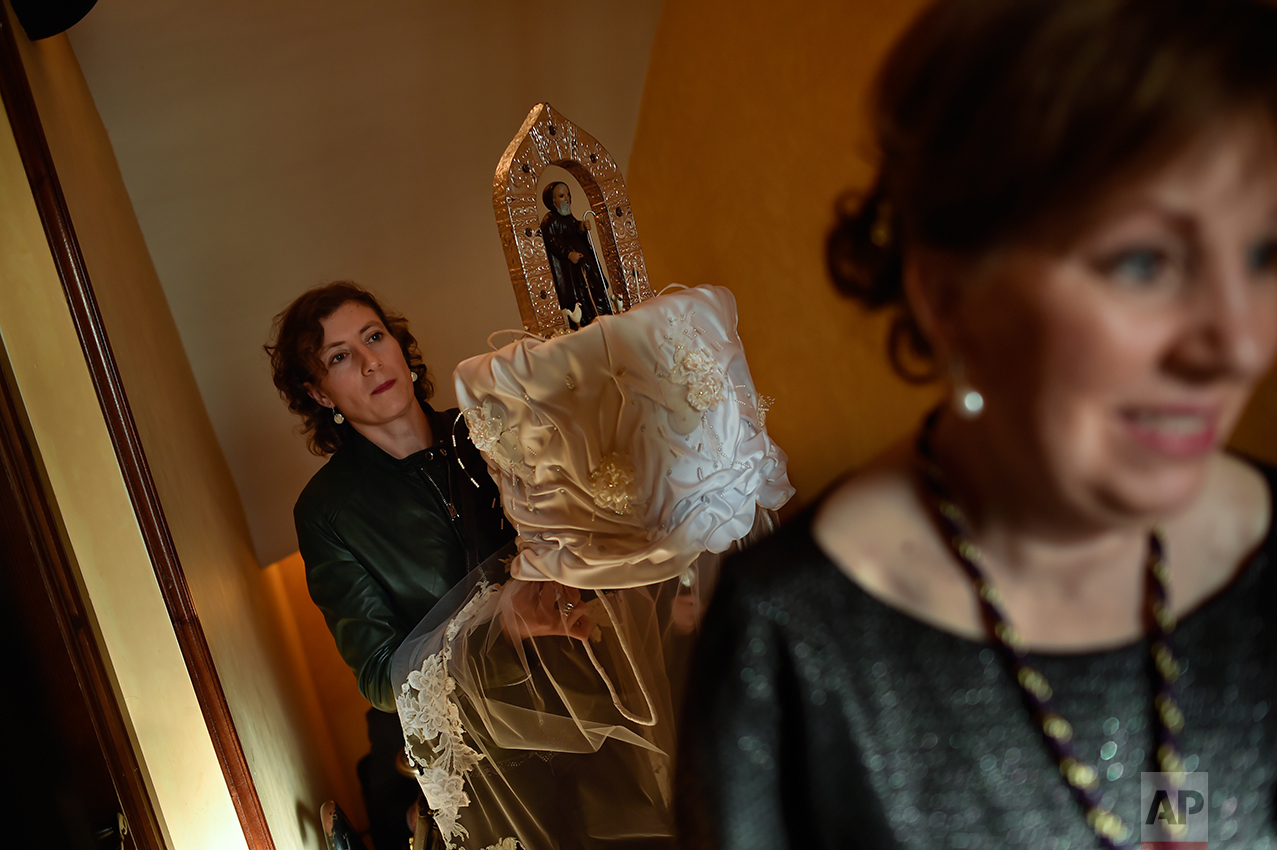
{"x": 1263, "y": 257}
{"x": 376, "y": 335}
{"x": 1138, "y": 265}
{"x": 337, "y": 358}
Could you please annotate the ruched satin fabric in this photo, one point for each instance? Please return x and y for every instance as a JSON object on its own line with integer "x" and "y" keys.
{"x": 625, "y": 449}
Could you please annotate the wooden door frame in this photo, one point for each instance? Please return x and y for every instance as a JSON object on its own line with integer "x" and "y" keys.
{"x": 53, "y": 570}
{"x": 37, "y": 160}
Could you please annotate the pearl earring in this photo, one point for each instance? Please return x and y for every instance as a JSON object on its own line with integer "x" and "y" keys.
{"x": 967, "y": 401}
{"x": 337, "y": 417}
{"x": 414, "y": 377}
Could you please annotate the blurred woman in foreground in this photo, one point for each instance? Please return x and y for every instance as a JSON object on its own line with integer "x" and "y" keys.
{"x": 1063, "y": 580}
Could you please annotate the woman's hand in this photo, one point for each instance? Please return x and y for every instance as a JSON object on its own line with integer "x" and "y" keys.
{"x": 545, "y": 608}
{"x": 685, "y": 615}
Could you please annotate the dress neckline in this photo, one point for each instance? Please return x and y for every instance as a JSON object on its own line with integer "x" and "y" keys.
{"x": 1248, "y": 572}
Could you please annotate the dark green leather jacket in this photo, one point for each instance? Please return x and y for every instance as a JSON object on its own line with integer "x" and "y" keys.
{"x": 381, "y": 547}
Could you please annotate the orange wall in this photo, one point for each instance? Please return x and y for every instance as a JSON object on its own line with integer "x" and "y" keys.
{"x": 753, "y": 120}
{"x": 333, "y": 704}
{"x": 751, "y": 124}
{"x": 1256, "y": 435}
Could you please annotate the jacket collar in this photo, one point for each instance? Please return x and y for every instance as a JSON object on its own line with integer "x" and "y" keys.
{"x": 442, "y": 449}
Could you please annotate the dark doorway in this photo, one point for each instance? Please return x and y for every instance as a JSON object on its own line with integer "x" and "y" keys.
{"x": 73, "y": 778}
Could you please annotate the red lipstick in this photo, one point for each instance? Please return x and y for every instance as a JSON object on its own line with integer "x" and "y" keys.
{"x": 384, "y": 387}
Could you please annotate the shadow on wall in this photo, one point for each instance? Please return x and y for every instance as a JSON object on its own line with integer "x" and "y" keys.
{"x": 308, "y": 823}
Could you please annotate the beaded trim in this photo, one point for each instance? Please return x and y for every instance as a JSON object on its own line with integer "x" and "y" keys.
{"x": 1082, "y": 778}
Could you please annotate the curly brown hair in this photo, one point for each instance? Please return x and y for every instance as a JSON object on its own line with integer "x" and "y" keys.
{"x": 1001, "y": 120}
{"x": 296, "y": 337}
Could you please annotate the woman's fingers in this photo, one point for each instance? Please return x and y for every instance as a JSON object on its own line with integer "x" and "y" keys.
{"x": 548, "y": 609}
{"x": 577, "y": 623}
{"x": 581, "y": 628}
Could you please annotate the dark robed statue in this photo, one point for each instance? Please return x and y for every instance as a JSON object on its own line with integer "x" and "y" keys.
{"x": 578, "y": 279}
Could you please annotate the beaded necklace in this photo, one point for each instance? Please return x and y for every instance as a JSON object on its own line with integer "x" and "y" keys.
{"x": 1083, "y": 780}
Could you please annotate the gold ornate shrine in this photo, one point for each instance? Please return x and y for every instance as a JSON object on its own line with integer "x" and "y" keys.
{"x": 547, "y": 138}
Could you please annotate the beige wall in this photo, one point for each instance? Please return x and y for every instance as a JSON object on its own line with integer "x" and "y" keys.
{"x": 753, "y": 120}
{"x": 269, "y": 147}
{"x": 42, "y": 357}
{"x": 231, "y": 593}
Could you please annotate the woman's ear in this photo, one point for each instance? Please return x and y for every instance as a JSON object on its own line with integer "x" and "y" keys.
{"x": 318, "y": 395}
{"x": 930, "y": 294}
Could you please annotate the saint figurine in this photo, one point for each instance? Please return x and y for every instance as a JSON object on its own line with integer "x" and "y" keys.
{"x": 578, "y": 278}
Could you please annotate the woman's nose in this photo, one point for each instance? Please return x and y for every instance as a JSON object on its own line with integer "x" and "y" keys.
{"x": 1233, "y": 325}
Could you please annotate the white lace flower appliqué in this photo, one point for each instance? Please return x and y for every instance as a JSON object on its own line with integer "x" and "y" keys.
{"x": 488, "y": 432}
{"x": 485, "y": 429}
{"x": 429, "y": 718}
{"x": 504, "y": 844}
{"x": 612, "y": 484}
{"x": 763, "y": 404}
{"x": 697, "y": 370}
{"x": 482, "y": 593}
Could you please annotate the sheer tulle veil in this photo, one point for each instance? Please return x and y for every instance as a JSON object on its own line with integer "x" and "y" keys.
{"x": 631, "y": 455}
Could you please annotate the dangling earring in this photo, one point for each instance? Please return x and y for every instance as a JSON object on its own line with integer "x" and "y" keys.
{"x": 337, "y": 417}
{"x": 967, "y": 401}
{"x": 414, "y": 377}
{"x": 880, "y": 232}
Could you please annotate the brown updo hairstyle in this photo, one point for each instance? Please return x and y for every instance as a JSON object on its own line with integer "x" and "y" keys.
{"x": 1005, "y": 120}
{"x": 296, "y": 337}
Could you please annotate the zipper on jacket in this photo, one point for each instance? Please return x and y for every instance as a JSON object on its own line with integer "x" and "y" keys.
{"x": 447, "y": 503}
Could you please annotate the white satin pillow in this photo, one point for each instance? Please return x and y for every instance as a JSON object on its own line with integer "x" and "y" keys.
{"x": 625, "y": 449}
